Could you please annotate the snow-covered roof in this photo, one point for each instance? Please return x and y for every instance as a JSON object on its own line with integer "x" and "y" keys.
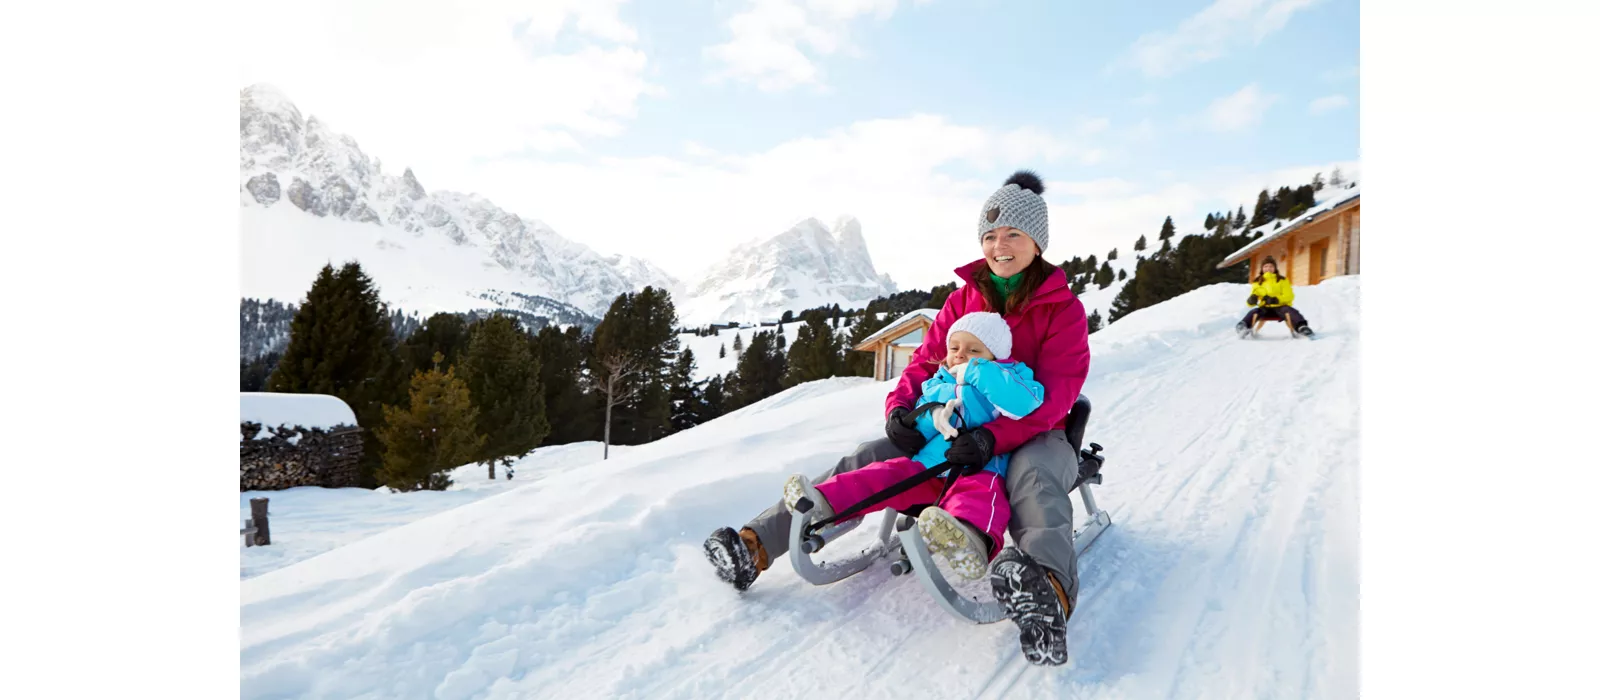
{"x": 929, "y": 314}
{"x": 1338, "y": 199}
{"x": 306, "y": 410}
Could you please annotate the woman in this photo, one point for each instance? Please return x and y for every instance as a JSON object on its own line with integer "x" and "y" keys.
{"x": 1270, "y": 296}
{"x": 1036, "y": 581}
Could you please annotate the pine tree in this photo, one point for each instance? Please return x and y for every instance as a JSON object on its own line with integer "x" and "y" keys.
{"x": 1090, "y": 265}
{"x": 638, "y": 327}
{"x": 1105, "y": 276}
{"x": 788, "y": 317}
{"x": 815, "y": 354}
{"x": 1139, "y": 244}
{"x": 722, "y": 351}
{"x": 1167, "y": 229}
{"x": 444, "y": 333}
{"x": 1240, "y": 220}
{"x": 1122, "y": 274}
{"x": 1211, "y": 222}
{"x": 1317, "y": 182}
{"x": 341, "y": 343}
{"x": 1112, "y": 255}
{"x": 1094, "y": 321}
{"x": 781, "y": 338}
{"x": 688, "y": 404}
{"x": 502, "y": 373}
{"x": 715, "y": 399}
{"x": 437, "y": 433}
{"x": 1337, "y": 178}
{"x": 760, "y": 371}
{"x": 1166, "y": 246}
{"x": 573, "y": 414}
{"x": 1260, "y": 216}
{"x": 738, "y": 342}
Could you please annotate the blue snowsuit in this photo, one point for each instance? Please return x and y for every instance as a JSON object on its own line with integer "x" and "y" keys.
{"x": 991, "y": 389}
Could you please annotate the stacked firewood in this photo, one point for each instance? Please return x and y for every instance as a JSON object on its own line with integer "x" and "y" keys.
{"x": 289, "y": 456}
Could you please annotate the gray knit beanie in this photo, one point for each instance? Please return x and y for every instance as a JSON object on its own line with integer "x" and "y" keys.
{"x": 1018, "y": 204}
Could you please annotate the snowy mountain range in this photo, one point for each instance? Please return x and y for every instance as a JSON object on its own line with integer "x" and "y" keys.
{"x": 309, "y": 195}
{"x": 807, "y": 266}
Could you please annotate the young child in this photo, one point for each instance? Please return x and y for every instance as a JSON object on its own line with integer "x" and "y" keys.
{"x": 977, "y": 383}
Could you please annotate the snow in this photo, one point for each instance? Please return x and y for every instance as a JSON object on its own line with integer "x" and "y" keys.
{"x": 309, "y": 520}
{"x": 1231, "y": 569}
{"x": 306, "y": 410}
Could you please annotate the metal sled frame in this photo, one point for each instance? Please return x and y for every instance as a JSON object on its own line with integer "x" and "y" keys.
{"x": 901, "y": 543}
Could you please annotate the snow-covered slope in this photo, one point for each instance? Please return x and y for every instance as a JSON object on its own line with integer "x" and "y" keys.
{"x": 1230, "y": 571}
{"x": 805, "y": 267}
{"x": 308, "y": 195}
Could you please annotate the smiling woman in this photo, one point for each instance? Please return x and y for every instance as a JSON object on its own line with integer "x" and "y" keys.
{"x": 1036, "y": 580}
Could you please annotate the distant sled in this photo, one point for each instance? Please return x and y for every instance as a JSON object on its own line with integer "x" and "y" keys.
{"x": 901, "y": 543}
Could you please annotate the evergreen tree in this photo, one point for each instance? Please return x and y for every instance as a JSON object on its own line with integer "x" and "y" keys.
{"x": 340, "y": 343}
{"x": 788, "y": 317}
{"x": 1079, "y": 286}
{"x": 1166, "y": 246}
{"x": 1112, "y": 255}
{"x": 502, "y": 373}
{"x": 814, "y": 355}
{"x": 443, "y": 333}
{"x": 722, "y": 351}
{"x": 1122, "y": 275}
{"x": 1260, "y": 216}
{"x": 1139, "y": 244}
{"x": 1240, "y": 220}
{"x": 940, "y": 294}
{"x": 1211, "y": 222}
{"x": 1337, "y": 178}
{"x": 1090, "y": 266}
{"x": 760, "y": 371}
{"x": 715, "y": 400}
{"x": 253, "y": 374}
{"x": 688, "y": 404}
{"x": 1167, "y": 229}
{"x": 1317, "y": 182}
{"x": 781, "y": 338}
{"x": 1105, "y": 276}
{"x": 638, "y": 327}
{"x": 573, "y": 413}
{"x": 437, "y": 433}
{"x": 738, "y": 341}
{"x": 1094, "y": 321}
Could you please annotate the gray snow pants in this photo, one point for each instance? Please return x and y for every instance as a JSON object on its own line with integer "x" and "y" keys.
{"x": 1041, "y": 471}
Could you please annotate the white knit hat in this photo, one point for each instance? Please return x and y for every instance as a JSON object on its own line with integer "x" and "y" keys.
{"x": 989, "y": 328}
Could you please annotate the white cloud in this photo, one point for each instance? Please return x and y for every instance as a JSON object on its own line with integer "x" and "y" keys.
{"x": 1211, "y": 33}
{"x": 433, "y": 86}
{"x": 1328, "y": 104}
{"x": 776, "y": 44}
{"x": 1239, "y": 111}
{"x": 1335, "y": 75}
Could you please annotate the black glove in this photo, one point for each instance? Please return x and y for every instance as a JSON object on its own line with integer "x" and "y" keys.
{"x": 1270, "y": 301}
{"x": 905, "y": 437}
{"x": 972, "y": 449}
{"x": 1251, "y": 301}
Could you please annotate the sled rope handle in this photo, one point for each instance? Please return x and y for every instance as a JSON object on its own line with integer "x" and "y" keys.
{"x": 899, "y": 487}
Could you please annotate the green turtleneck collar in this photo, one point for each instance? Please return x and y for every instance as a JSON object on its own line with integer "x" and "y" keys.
{"x": 1007, "y": 285}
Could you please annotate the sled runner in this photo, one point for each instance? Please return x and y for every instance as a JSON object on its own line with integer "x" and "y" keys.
{"x": 901, "y": 543}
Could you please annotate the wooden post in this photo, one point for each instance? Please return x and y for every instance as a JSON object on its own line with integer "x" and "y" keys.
{"x": 258, "y": 519}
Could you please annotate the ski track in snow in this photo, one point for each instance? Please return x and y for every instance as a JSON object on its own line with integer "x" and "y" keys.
{"x": 1230, "y": 569}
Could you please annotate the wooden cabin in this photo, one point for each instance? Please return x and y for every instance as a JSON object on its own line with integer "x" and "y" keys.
{"x": 1321, "y": 243}
{"x": 892, "y": 346}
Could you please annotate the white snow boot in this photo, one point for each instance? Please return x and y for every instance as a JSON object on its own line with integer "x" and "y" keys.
{"x": 963, "y": 548}
{"x": 798, "y": 487}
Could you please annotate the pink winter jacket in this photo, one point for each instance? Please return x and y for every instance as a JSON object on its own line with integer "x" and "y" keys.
{"x": 1050, "y": 334}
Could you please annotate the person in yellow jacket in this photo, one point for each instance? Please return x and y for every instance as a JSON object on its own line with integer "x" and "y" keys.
{"x": 1271, "y": 296}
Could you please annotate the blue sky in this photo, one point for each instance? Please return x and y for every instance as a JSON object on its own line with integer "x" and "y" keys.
{"x": 675, "y": 130}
